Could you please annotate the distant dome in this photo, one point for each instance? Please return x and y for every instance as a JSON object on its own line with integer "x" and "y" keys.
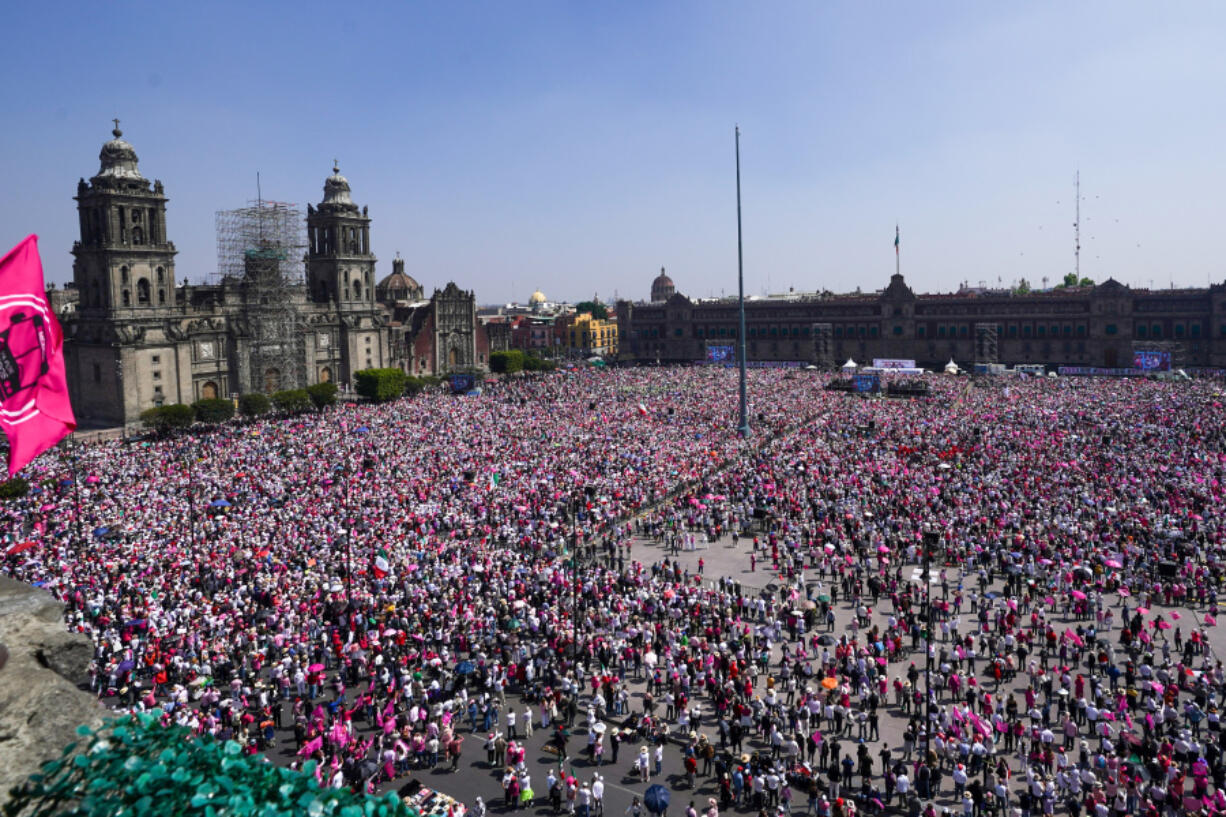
{"x": 662, "y": 287}
{"x": 537, "y": 297}
{"x": 336, "y": 193}
{"x": 118, "y": 158}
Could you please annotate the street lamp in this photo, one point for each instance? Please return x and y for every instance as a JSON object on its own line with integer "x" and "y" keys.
{"x": 589, "y": 491}
{"x": 932, "y": 541}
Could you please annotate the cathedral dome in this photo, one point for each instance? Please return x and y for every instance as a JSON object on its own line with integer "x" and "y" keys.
{"x": 336, "y": 192}
{"x": 118, "y": 158}
{"x": 662, "y": 287}
{"x": 398, "y": 286}
{"x": 537, "y": 297}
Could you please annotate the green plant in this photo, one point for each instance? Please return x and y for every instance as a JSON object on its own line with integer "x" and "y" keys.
{"x": 322, "y": 394}
{"x": 594, "y": 308}
{"x": 167, "y": 418}
{"x": 14, "y": 488}
{"x": 507, "y": 362}
{"x": 137, "y": 766}
{"x": 413, "y": 385}
{"x": 292, "y": 401}
{"x": 253, "y": 404}
{"x": 379, "y": 385}
{"x": 213, "y": 410}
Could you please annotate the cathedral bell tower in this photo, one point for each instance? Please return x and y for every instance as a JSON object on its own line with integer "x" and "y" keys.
{"x": 340, "y": 266}
{"x": 124, "y": 265}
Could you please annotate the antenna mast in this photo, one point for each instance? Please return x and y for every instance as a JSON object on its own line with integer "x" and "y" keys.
{"x": 1077, "y": 226}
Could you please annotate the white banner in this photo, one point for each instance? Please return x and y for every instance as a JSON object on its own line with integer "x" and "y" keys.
{"x": 891, "y": 363}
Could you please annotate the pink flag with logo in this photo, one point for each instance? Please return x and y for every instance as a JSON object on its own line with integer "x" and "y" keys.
{"x": 35, "y": 411}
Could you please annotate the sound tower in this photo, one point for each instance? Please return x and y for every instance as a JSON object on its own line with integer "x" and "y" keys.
{"x": 823, "y": 354}
{"x": 986, "y": 343}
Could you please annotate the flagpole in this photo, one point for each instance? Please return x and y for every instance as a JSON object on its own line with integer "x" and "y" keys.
{"x": 742, "y": 429}
{"x": 897, "y": 267}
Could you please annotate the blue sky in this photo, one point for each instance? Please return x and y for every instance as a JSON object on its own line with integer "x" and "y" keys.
{"x": 579, "y": 147}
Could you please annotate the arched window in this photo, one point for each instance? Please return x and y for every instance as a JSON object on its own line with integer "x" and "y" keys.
{"x": 138, "y": 235}
{"x": 161, "y": 275}
{"x": 162, "y": 296}
{"x": 272, "y": 380}
{"x": 325, "y": 375}
{"x": 209, "y": 390}
{"x": 123, "y": 275}
{"x": 127, "y": 298}
{"x": 142, "y": 291}
{"x": 357, "y": 290}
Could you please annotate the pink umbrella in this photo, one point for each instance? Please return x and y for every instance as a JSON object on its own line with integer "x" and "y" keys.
{"x": 1163, "y": 625}
{"x": 882, "y": 549}
{"x": 1209, "y": 620}
{"x": 1123, "y": 591}
{"x": 1113, "y": 563}
{"x": 1077, "y": 594}
{"x": 1157, "y": 687}
{"x": 1049, "y": 600}
{"x": 1175, "y": 615}
{"x": 1143, "y": 611}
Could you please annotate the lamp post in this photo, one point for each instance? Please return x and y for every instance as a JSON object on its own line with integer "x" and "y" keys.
{"x": 931, "y": 538}
{"x": 69, "y": 449}
{"x": 589, "y": 491}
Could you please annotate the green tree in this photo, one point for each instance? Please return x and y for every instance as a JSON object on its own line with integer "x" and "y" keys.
{"x": 253, "y": 404}
{"x": 379, "y": 385}
{"x": 14, "y": 488}
{"x": 1070, "y": 279}
{"x": 597, "y": 309}
{"x": 1022, "y": 288}
{"x": 292, "y": 401}
{"x": 322, "y": 394}
{"x": 213, "y": 410}
{"x": 164, "y": 419}
{"x": 507, "y": 362}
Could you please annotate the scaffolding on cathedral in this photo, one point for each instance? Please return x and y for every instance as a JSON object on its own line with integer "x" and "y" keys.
{"x": 260, "y": 250}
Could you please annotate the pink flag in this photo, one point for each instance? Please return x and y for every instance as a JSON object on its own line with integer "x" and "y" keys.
{"x": 35, "y": 411}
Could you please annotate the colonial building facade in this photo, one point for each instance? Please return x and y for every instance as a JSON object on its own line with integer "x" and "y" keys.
{"x": 137, "y": 338}
{"x": 1098, "y": 326}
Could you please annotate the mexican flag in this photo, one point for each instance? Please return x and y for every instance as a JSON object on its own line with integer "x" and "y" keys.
{"x": 383, "y": 567}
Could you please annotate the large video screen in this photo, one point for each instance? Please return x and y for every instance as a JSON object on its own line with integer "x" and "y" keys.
{"x": 721, "y": 354}
{"x": 462, "y": 383}
{"x": 1151, "y": 360}
{"x": 892, "y": 363}
{"x": 866, "y": 383}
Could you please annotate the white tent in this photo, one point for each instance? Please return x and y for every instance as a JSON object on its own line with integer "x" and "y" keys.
{"x": 951, "y": 367}
{"x": 850, "y": 365}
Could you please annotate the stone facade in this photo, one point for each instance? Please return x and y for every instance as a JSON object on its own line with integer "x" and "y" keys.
{"x": 135, "y": 339}
{"x": 1099, "y": 326}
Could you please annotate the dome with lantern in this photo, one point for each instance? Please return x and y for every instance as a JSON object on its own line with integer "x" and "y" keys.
{"x": 118, "y": 159}
{"x": 662, "y": 287}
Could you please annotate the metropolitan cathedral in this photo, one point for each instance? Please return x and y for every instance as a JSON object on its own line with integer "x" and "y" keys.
{"x": 136, "y": 337}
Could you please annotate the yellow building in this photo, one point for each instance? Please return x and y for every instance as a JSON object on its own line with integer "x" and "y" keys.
{"x": 588, "y": 336}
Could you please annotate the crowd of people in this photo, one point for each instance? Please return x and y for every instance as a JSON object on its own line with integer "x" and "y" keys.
{"x": 384, "y": 585}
